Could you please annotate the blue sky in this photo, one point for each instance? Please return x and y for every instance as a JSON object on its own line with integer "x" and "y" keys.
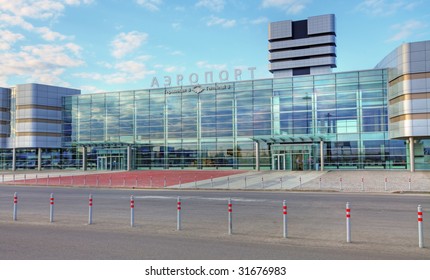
{"x": 109, "y": 45}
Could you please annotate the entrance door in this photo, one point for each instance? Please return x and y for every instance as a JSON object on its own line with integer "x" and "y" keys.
{"x": 301, "y": 162}
{"x": 110, "y": 163}
{"x": 297, "y": 160}
{"x": 102, "y": 163}
{"x": 117, "y": 163}
{"x": 278, "y": 162}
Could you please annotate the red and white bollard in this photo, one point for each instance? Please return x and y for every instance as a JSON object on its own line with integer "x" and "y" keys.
{"x": 420, "y": 227}
{"x": 90, "y": 209}
{"x": 284, "y": 212}
{"x": 132, "y": 211}
{"x": 230, "y": 218}
{"x": 51, "y": 208}
{"x": 348, "y": 223}
{"x": 178, "y": 216}
{"x": 15, "y": 206}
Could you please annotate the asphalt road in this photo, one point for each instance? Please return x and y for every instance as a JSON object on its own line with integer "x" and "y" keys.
{"x": 384, "y": 226}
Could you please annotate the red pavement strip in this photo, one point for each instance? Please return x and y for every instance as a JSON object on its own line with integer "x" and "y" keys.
{"x": 131, "y": 179}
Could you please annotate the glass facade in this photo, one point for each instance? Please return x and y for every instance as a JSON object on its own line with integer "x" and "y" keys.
{"x": 217, "y": 126}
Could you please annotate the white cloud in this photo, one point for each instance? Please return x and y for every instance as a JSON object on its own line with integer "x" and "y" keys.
{"x": 259, "y": 20}
{"x": 205, "y": 65}
{"x": 12, "y": 20}
{"x": 214, "y": 5}
{"x": 406, "y": 29}
{"x": 91, "y": 89}
{"x": 49, "y": 35}
{"x": 14, "y": 13}
{"x": 289, "y": 6}
{"x": 176, "y": 53}
{"x": 8, "y": 38}
{"x": 125, "y": 71}
{"x": 40, "y": 63}
{"x": 176, "y": 25}
{"x": 386, "y": 8}
{"x": 151, "y": 5}
{"x": 40, "y": 9}
{"x": 227, "y": 23}
{"x": 125, "y": 43}
{"x": 78, "y": 2}
{"x": 44, "y": 63}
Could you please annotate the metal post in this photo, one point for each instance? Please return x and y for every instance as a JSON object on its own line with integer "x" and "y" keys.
{"x": 300, "y": 181}
{"x": 212, "y": 182}
{"x": 180, "y": 182}
{"x": 320, "y": 183}
{"x": 132, "y": 211}
{"x": 420, "y": 227}
{"x": 110, "y": 180}
{"x": 228, "y": 182}
{"x": 13, "y": 178}
{"x": 123, "y": 181}
{"x": 280, "y": 181}
{"x": 51, "y": 208}
{"x": 262, "y": 182}
{"x": 164, "y": 181}
{"x": 85, "y": 180}
{"x": 230, "y": 218}
{"x": 284, "y": 210}
{"x": 136, "y": 182}
{"x": 348, "y": 223}
{"x": 362, "y": 184}
{"x": 340, "y": 183}
{"x": 178, "y": 217}
{"x": 47, "y": 181}
{"x": 150, "y": 181}
{"x": 245, "y": 182}
{"x": 25, "y": 179}
{"x": 72, "y": 180}
{"x": 15, "y": 206}
{"x": 90, "y": 209}
{"x": 37, "y": 181}
{"x": 97, "y": 180}
{"x": 2, "y": 178}
{"x": 59, "y": 180}
{"x": 195, "y": 182}
{"x": 409, "y": 183}
{"x": 385, "y": 184}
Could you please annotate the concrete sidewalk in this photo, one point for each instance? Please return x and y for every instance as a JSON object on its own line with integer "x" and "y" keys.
{"x": 341, "y": 181}
{"x": 344, "y": 181}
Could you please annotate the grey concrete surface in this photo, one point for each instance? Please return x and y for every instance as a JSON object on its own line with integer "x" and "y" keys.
{"x": 384, "y": 226}
{"x": 382, "y": 181}
{"x": 339, "y": 181}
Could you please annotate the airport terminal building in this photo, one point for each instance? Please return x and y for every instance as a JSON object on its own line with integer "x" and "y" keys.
{"x": 304, "y": 118}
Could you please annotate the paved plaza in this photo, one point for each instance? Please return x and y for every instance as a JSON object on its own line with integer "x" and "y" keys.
{"x": 339, "y": 181}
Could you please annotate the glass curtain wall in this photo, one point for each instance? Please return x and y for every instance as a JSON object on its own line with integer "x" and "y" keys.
{"x": 215, "y": 126}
